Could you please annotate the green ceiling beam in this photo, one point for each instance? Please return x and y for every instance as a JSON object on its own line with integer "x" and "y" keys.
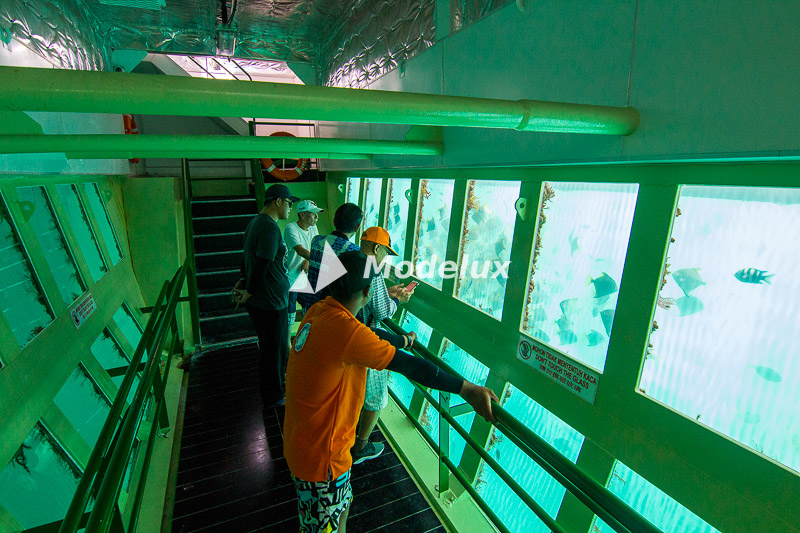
{"x": 33, "y": 89}
{"x": 113, "y": 146}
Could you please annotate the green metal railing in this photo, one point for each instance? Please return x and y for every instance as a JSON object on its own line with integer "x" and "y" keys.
{"x": 595, "y": 496}
{"x": 104, "y": 474}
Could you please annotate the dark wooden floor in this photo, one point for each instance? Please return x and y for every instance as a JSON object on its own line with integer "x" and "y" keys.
{"x": 232, "y": 474}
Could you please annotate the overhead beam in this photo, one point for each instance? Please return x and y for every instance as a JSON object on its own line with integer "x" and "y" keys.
{"x": 114, "y": 146}
{"x": 33, "y": 89}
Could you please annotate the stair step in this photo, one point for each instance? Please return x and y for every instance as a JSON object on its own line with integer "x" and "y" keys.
{"x": 221, "y": 207}
{"x": 219, "y": 242}
{"x": 220, "y": 224}
{"x": 218, "y": 302}
{"x": 217, "y": 280}
{"x": 218, "y": 260}
{"x": 226, "y": 328}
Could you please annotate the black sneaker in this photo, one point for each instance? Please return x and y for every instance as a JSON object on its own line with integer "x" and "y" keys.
{"x": 370, "y": 451}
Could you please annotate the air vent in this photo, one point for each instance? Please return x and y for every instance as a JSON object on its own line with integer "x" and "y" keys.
{"x": 141, "y": 4}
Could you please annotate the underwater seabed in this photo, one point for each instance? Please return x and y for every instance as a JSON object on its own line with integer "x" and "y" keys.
{"x": 728, "y": 357}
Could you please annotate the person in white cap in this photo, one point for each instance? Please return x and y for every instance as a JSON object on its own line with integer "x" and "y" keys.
{"x": 298, "y": 237}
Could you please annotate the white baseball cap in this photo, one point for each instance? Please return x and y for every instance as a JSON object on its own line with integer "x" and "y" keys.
{"x": 308, "y": 206}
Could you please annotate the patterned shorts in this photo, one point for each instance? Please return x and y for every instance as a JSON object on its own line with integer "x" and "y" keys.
{"x": 321, "y": 503}
{"x": 376, "y": 396}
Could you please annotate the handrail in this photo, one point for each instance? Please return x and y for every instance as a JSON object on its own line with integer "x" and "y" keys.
{"x": 599, "y": 499}
{"x": 107, "y": 463}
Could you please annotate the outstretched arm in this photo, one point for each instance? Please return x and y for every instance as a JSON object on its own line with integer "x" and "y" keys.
{"x": 429, "y": 375}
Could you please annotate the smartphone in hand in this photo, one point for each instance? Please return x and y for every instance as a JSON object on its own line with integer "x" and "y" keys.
{"x": 411, "y": 286}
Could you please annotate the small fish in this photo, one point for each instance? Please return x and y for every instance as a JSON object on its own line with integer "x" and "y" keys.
{"x": 431, "y": 225}
{"x": 477, "y": 216}
{"x": 567, "y": 337}
{"x": 541, "y": 335}
{"x": 607, "y": 316}
{"x": 753, "y": 275}
{"x": 397, "y": 219}
{"x": 396, "y": 209}
{"x": 538, "y": 315}
{"x": 593, "y": 338}
{"x": 573, "y": 243}
{"x": 602, "y": 299}
{"x": 603, "y": 285}
{"x": 688, "y": 279}
{"x": 562, "y": 444}
{"x": 570, "y": 307}
{"x": 500, "y": 246}
{"x": 689, "y": 305}
{"x": 502, "y": 281}
{"x": 769, "y": 374}
{"x": 751, "y": 417}
{"x": 563, "y": 323}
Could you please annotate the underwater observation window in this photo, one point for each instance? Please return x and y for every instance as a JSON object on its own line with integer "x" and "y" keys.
{"x": 372, "y": 202}
{"x": 545, "y": 490}
{"x": 397, "y": 207}
{"x": 51, "y": 240}
{"x": 429, "y": 419}
{"x": 485, "y": 250}
{"x": 647, "y": 500}
{"x": 83, "y": 404}
{"x": 22, "y": 299}
{"x": 111, "y": 356}
{"x": 79, "y": 222}
{"x": 38, "y": 483}
{"x": 401, "y": 386}
{"x": 103, "y": 221}
{"x": 353, "y": 191}
{"x": 729, "y": 270}
{"x": 579, "y": 253}
{"x": 432, "y": 227}
{"x": 129, "y": 326}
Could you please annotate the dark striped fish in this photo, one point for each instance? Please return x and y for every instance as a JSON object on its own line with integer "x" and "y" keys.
{"x": 753, "y": 275}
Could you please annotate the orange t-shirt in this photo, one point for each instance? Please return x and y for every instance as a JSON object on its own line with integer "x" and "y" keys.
{"x": 325, "y": 381}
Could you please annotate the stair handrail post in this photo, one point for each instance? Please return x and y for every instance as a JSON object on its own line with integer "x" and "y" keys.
{"x": 191, "y": 274}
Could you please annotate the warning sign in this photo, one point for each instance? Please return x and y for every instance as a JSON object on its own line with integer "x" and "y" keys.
{"x": 82, "y": 311}
{"x": 558, "y": 367}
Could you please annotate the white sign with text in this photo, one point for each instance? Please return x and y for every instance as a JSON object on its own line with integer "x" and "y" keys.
{"x": 558, "y": 367}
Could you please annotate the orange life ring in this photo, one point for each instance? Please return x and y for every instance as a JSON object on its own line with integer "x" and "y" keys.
{"x": 279, "y": 173}
{"x": 131, "y": 129}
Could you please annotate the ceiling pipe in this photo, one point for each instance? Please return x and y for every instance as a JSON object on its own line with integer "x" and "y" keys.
{"x": 34, "y": 89}
{"x": 224, "y": 146}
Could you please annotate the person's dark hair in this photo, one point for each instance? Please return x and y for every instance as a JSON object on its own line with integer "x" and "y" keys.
{"x": 356, "y": 278}
{"x": 347, "y": 218}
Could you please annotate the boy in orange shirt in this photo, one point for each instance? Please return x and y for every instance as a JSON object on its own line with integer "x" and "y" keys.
{"x": 325, "y": 382}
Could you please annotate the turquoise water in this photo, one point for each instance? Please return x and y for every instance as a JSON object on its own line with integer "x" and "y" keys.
{"x": 725, "y": 352}
{"x": 103, "y": 221}
{"x": 397, "y": 207}
{"x": 130, "y": 328}
{"x": 83, "y": 404}
{"x": 372, "y": 202}
{"x": 82, "y": 229}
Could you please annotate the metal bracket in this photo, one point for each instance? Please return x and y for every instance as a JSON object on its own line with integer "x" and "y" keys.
{"x": 523, "y": 209}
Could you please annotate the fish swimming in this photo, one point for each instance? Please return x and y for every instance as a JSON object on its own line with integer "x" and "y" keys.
{"x": 570, "y": 307}
{"x": 538, "y": 315}
{"x": 593, "y": 338}
{"x": 567, "y": 337}
{"x": 396, "y": 209}
{"x": 607, "y": 316}
{"x": 573, "y": 243}
{"x": 477, "y": 216}
{"x": 753, "y": 275}
{"x": 563, "y": 323}
{"x": 541, "y": 335}
{"x": 688, "y": 279}
{"x": 431, "y": 225}
{"x": 689, "y": 305}
{"x": 769, "y": 374}
{"x": 500, "y": 245}
{"x": 603, "y": 285}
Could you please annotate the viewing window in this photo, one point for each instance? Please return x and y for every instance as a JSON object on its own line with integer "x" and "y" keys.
{"x": 130, "y": 328}
{"x": 545, "y": 490}
{"x": 397, "y": 207}
{"x": 485, "y": 250}
{"x": 103, "y": 221}
{"x": 397, "y": 382}
{"x": 372, "y": 202}
{"x": 44, "y": 223}
{"x": 433, "y": 226}
{"x": 111, "y": 357}
{"x": 725, "y": 351}
{"x": 579, "y": 253}
{"x": 83, "y": 230}
{"x": 21, "y": 297}
{"x": 83, "y": 404}
{"x": 37, "y": 485}
{"x": 646, "y": 499}
{"x": 353, "y": 191}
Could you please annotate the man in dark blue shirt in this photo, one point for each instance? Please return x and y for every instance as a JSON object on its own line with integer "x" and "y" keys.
{"x": 264, "y": 289}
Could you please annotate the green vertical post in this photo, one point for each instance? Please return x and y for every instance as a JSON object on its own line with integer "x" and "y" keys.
{"x": 194, "y": 307}
{"x": 444, "y": 443}
{"x": 258, "y": 174}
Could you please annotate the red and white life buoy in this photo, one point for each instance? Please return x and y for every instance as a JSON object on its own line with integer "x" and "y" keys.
{"x": 279, "y": 173}
{"x": 131, "y": 129}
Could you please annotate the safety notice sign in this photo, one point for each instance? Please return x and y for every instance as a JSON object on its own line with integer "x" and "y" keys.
{"x": 558, "y": 367}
